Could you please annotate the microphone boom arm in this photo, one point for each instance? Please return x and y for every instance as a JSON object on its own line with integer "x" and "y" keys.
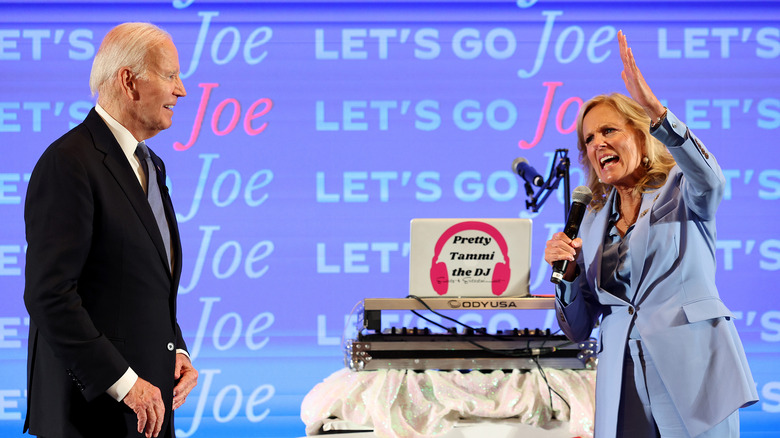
{"x": 559, "y": 171}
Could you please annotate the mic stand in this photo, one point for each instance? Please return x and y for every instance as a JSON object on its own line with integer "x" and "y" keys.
{"x": 558, "y": 171}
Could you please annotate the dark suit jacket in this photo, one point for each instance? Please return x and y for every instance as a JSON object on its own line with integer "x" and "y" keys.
{"x": 98, "y": 288}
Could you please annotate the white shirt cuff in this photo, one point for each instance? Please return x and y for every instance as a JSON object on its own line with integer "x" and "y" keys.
{"x": 119, "y": 390}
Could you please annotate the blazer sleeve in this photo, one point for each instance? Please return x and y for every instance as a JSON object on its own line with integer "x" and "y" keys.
{"x": 58, "y": 223}
{"x": 576, "y": 308}
{"x": 180, "y": 344}
{"x": 703, "y": 181}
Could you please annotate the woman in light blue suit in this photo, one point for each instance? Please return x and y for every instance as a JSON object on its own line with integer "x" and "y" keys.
{"x": 670, "y": 361}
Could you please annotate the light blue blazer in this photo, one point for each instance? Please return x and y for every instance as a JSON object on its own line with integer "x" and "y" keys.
{"x": 684, "y": 326}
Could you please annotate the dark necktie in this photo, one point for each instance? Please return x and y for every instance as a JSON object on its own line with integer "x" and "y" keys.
{"x": 154, "y": 197}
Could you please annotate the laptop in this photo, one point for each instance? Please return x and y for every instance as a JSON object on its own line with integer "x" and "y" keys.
{"x": 470, "y": 258}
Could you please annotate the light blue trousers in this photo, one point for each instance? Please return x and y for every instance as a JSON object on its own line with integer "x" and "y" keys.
{"x": 646, "y": 409}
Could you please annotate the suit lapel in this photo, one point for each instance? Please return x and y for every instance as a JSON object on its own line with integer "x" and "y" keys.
{"x": 593, "y": 249}
{"x": 117, "y": 165}
{"x": 640, "y": 236}
{"x": 173, "y": 227}
{"x": 592, "y": 244}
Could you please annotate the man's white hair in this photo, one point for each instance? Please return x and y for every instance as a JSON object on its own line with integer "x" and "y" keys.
{"x": 126, "y": 45}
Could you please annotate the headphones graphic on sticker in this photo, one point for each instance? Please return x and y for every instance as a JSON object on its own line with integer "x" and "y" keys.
{"x": 501, "y": 272}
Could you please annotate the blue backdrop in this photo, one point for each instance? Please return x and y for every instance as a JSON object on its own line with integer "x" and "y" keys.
{"x": 313, "y": 131}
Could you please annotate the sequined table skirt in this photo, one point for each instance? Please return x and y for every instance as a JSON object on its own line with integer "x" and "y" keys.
{"x": 403, "y": 403}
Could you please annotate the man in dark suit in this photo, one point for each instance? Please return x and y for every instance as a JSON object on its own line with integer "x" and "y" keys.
{"x": 106, "y": 355}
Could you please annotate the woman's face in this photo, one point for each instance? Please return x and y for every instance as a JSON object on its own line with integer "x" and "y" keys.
{"x": 613, "y": 151}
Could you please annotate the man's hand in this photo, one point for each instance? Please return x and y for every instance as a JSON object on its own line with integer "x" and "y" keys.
{"x": 145, "y": 400}
{"x": 186, "y": 378}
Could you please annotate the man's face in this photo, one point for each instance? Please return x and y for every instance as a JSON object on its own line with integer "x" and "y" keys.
{"x": 157, "y": 94}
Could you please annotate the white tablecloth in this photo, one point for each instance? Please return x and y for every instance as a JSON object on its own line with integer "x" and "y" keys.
{"x": 402, "y": 403}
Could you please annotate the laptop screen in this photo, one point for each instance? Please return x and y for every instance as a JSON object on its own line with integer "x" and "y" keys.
{"x": 470, "y": 258}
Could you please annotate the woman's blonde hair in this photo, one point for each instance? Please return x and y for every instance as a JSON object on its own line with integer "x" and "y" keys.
{"x": 659, "y": 162}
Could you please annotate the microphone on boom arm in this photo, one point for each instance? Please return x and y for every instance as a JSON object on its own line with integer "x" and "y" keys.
{"x": 521, "y": 167}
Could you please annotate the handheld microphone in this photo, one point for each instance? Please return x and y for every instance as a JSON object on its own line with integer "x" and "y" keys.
{"x": 521, "y": 167}
{"x": 580, "y": 200}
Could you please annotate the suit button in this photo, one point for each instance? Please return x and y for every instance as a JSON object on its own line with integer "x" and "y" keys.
{"x": 170, "y": 346}
{"x": 630, "y": 310}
